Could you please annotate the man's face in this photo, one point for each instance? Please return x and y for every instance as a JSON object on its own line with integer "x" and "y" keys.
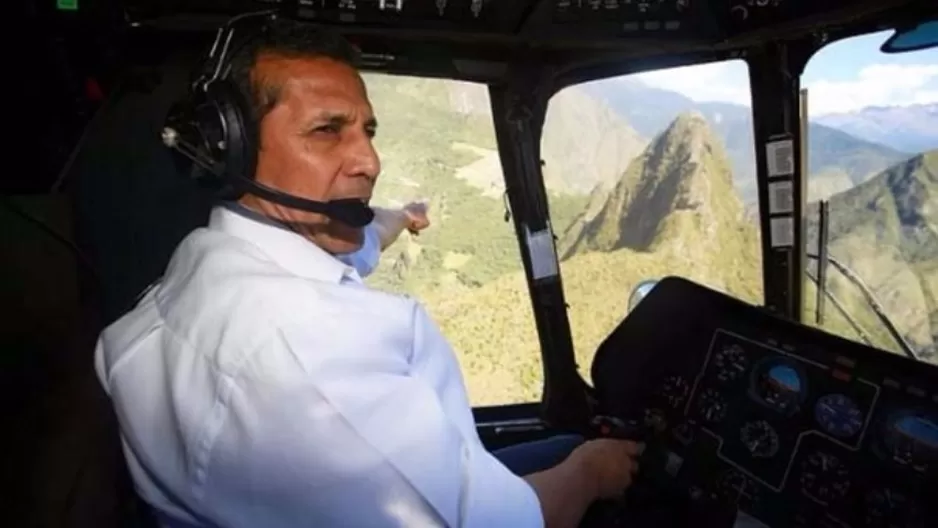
{"x": 316, "y": 143}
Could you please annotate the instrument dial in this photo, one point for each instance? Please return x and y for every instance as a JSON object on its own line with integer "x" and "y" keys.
{"x": 684, "y": 433}
{"x": 731, "y": 362}
{"x": 838, "y": 415}
{"x": 779, "y": 385}
{"x": 674, "y": 390}
{"x": 712, "y": 406}
{"x": 824, "y": 478}
{"x": 737, "y": 489}
{"x": 760, "y": 439}
{"x": 887, "y": 508}
{"x": 912, "y": 439}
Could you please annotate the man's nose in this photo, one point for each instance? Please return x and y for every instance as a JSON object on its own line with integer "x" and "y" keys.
{"x": 363, "y": 158}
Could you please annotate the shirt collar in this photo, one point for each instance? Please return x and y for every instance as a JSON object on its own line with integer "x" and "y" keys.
{"x": 288, "y": 249}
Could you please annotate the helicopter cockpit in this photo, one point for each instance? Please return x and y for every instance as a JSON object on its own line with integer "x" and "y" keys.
{"x": 746, "y": 403}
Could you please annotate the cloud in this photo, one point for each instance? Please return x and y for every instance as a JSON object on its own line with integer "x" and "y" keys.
{"x": 726, "y": 82}
{"x": 873, "y": 85}
{"x": 876, "y": 85}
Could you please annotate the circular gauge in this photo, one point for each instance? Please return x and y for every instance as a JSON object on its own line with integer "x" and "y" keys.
{"x": 712, "y": 406}
{"x": 760, "y": 439}
{"x": 730, "y": 362}
{"x": 737, "y": 489}
{"x": 779, "y": 385}
{"x": 838, "y": 415}
{"x": 684, "y": 433}
{"x": 674, "y": 390}
{"x": 824, "y": 478}
{"x": 912, "y": 438}
{"x": 887, "y": 507}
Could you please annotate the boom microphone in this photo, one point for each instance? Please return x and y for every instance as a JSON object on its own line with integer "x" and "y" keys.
{"x": 350, "y": 211}
{"x": 213, "y": 128}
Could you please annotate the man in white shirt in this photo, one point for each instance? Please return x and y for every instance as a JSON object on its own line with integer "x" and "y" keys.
{"x": 260, "y": 383}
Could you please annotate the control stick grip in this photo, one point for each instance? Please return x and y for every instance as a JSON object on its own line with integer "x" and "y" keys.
{"x": 612, "y": 427}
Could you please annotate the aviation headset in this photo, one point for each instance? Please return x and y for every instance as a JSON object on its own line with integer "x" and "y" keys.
{"x": 216, "y": 134}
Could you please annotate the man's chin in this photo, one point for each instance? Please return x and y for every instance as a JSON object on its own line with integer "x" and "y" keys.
{"x": 345, "y": 239}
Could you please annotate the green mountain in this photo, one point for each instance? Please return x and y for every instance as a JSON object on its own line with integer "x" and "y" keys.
{"x": 886, "y": 230}
{"x": 626, "y": 210}
{"x": 649, "y": 110}
{"x": 662, "y": 217}
{"x": 669, "y": 214}
{"x": 678, "y": 194}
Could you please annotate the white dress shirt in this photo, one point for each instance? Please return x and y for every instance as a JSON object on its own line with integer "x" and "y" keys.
{"x": 261, "y": 384}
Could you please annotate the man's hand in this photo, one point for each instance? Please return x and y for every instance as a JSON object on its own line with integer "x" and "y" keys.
{"x": 597, "y": 469}
{"x": 609, "y": 463}
{"x": 390, "y": 223}
{"x": 416, "y": 216}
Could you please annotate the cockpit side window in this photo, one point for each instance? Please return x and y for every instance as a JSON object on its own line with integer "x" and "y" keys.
{"x": 437, "y": 144}
{"x": 882, "y": 197}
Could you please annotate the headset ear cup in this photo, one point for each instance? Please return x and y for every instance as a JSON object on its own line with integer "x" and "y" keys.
{"x": 240, "y": 135}
{"x": 184, "y": 119}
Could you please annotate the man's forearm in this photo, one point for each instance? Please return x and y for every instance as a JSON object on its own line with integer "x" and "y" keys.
{"x": 390, "y": 223}
{"x": 564, "y": 492}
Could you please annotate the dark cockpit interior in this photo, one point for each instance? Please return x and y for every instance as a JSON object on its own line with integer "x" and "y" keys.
{"x": 789, "y": 424}
{"x": 743, "y": 407}
{"x": 647, "y": 25}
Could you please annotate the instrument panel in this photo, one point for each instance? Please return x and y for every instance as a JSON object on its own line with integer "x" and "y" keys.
{"x": 628, "y": 16}
{"x": 478, "y": 15}
{"x": 545, "y": 23}
{"x": 791, "y": 425}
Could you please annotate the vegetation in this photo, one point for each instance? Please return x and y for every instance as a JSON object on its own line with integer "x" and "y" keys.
{"x": 886, "y": 229}
{"x": 668, "y": 206}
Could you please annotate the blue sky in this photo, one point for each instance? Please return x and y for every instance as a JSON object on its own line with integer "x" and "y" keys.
{"x": 845, "y": 76}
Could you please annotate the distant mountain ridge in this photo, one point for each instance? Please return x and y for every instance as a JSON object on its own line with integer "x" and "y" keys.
{"x": 910, "y": 128}
{"x": 649, "y": 110}
{"x": 585, "y": 143}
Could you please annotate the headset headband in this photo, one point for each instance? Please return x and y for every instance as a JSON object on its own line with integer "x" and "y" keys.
{"x": 215, "y": 64}
{"x": 214, "y": 133}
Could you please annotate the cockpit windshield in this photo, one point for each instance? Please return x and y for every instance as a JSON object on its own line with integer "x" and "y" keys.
{"x": 883, "y": 228}
{"x": 663, "y": 167}
{"x": 654, "y": 174}
{"x": 668, "y": 158}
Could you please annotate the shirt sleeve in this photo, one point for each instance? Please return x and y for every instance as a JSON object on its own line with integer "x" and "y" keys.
{"x": 366, "y": 259}
{"x": 356, "y": 440}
